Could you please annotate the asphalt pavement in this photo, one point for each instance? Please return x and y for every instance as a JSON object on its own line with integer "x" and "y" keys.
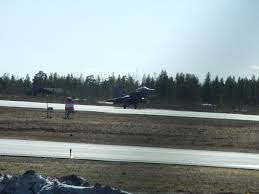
{"x": 120, "y": 110}
{"x": 13, "y": 147}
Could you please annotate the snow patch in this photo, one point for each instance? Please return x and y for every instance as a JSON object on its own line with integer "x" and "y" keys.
{"x": 31, "y": 182}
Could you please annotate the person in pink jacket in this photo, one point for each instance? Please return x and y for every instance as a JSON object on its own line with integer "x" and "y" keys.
{"x": 69, "y": 107}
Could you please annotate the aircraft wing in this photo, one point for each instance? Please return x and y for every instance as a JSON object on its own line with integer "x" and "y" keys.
{"x": 120, "y": 100}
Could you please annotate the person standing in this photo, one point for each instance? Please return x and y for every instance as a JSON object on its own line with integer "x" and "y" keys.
{"x": 69, "y": 107}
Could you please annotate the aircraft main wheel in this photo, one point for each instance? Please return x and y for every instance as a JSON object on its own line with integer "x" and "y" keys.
{"x": 124, "y": 106}
{"x": 135, "y": 106}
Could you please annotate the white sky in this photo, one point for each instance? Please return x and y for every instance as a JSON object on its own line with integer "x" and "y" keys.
{"x": 131, "y": 36}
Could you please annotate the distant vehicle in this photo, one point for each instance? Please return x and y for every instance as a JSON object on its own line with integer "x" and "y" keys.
{"x": 241, "y": 110}
{"x": 135, "y": 97}
{"x": 47, "y": 91}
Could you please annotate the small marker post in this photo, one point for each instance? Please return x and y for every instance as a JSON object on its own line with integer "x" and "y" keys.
{"x": 70, "y": 151}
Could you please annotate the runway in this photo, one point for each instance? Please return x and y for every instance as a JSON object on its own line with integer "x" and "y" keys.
{"x": 13, "y": 147}
{"x": 119, "y": 110}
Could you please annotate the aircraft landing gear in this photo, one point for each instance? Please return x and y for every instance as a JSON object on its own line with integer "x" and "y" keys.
{"x": 124, "y": 106}
{"x": 135, "y": 106}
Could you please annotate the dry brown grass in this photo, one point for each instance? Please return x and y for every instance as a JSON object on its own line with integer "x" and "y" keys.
{"x": 142, "y": 130}
{"x": 139, "y": 177}
{"x": 135, "y": 130}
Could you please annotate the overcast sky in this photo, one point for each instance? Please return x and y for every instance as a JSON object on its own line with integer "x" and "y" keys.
{"x": 130, "y": 36}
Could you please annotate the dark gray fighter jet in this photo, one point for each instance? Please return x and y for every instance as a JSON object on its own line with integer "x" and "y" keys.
{"x": 140, "y": 95}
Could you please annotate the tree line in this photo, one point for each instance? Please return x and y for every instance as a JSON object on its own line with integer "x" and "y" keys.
{"x": 182, "y": 88}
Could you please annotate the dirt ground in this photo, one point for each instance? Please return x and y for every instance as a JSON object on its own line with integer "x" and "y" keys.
{"x": 139, "y": 177}
{"x": 103, "y": 128}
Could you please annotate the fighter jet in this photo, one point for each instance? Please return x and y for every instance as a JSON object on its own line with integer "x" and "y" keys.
{"x": 140, "y": 95}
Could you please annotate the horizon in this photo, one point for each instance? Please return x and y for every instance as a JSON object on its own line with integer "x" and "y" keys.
{"x": 139, "y": 78}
